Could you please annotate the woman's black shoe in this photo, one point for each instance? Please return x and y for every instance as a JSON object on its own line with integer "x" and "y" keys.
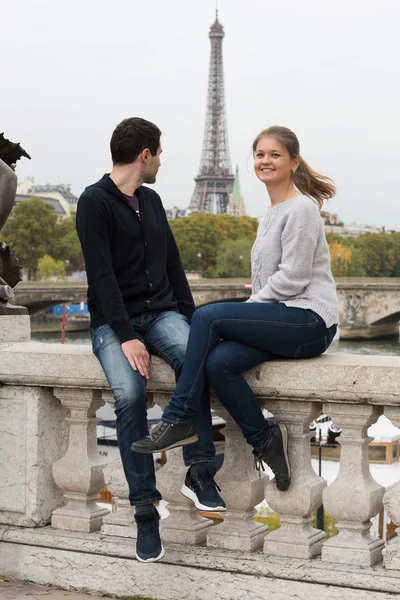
{"x": 275, "y": 454}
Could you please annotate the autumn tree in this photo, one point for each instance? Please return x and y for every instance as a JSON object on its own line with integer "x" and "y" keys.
{"x": 340, "y": 259}
{"x": 48, "y": 267}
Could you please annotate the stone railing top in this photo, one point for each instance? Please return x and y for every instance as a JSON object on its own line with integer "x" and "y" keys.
{"x": 347, "y": 378}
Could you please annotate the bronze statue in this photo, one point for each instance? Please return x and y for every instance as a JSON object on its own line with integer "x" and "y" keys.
{"x": 10, "y": 269}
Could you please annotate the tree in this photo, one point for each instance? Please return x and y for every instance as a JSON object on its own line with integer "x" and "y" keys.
{"x": 232, "y": 228}
{"x": 199, "y": 237}
{"x": 356, "y": 266}
{"x": 233, "y": 258}
{"x": 340, "y": 259}
{"x": 336, "y": 237}
{"x": 197, "y": 243}
{"x": 30, "y": 232}
{"x": 48, "y": 267}
{"x": 67, "y": 247}
{"x": 372, "y": 254}
{"x": 378, "y": 254}
{"x": 395, "y": 240}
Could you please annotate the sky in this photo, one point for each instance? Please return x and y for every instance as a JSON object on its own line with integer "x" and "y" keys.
{"x": 71, "y": 70}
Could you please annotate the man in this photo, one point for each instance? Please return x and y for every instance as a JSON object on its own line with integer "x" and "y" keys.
{"x": 140, "y": 304}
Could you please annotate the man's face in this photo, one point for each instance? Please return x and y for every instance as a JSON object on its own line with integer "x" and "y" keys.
{"x": 152, "y": 165}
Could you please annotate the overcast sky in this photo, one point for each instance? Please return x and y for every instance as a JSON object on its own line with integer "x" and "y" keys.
{"x": 328, "y": 69}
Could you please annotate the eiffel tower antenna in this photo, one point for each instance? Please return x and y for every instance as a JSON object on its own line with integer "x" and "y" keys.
{"x": 215, "y": 180}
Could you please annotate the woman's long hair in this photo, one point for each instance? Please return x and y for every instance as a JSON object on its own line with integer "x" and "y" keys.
{"x": 307, "y": 181}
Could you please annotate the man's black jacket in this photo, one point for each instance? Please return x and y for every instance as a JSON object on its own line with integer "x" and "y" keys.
{"x": 133, "y": 265}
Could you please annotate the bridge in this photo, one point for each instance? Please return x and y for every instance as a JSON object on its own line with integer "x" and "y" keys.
{"x": 37, "y": 296}
{"x": 51, "y": 473}
{"x": 368, "y": 308}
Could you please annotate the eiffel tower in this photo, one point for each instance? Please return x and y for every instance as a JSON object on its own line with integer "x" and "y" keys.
{"x": 215, "y": 180}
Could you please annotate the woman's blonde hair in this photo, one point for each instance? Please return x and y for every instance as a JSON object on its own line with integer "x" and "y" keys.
{"x": 307, "y": 181}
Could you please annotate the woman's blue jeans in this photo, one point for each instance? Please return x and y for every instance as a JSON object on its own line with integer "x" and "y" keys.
{"x": 229, "y": 338}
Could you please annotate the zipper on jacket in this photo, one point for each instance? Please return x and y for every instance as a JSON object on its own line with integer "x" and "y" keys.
{"x": 146, "y": 253}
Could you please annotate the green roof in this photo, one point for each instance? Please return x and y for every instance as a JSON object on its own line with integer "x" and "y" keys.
{"x": 236, "y": 194}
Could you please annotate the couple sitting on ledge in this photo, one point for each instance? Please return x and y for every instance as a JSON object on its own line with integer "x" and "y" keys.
{"x": 140, "y": 304}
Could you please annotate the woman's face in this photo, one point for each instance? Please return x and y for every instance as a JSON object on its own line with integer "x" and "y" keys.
{"x": 272, "y": 162}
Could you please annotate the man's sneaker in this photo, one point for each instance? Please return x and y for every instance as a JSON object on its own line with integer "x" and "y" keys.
{"x": 275, "y": 454}
{"x": 200, "y": 487}
{"x": 165, "y": 436}
{"x": 148, "y": 545}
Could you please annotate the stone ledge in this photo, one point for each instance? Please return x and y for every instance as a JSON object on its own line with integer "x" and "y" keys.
{"x": 15, "y": 329}
{"x": 124, "y": 577}
{"x": 63, "y": 558}
{"x": 347, "y": 378}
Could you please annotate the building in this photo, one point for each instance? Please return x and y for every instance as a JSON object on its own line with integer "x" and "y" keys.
{"x": 60, "y": 197}
{"x": 356, "y": 229}
{"x": 334, "y": 225}
{"x": 236, "y": 206}
{"x": 330, "y": 219}
{"x": 175, "y": 213}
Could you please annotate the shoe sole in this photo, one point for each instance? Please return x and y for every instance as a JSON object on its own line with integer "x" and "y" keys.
{"x": 285, "y": 443}
{"x": 188, "y": 493}
{"x": 186, "y": 442}
{"x": 151, "y": 560}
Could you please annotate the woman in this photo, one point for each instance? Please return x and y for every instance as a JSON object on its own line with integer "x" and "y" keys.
{"x": 292, "y": 312}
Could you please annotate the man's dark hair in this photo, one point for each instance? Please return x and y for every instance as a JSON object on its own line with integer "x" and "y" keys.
{"x": 131, "y": 137}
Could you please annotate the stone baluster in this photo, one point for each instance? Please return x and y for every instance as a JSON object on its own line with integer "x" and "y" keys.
{"x": 120, "y": 521}
{"x": 184, "y": 525}
{"x": 296, "y": 537}
{"x": 79, "y": 473}
{"x": 242, "y": 489}
{"x": 391, "y": 502}
{"x": 354, "y": 497}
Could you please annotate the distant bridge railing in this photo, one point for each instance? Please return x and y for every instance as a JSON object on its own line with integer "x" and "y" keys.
{"x": 212, "y": 280}
{"x": 369, "y": 280}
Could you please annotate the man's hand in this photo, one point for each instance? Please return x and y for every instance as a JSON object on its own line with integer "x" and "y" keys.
{"x": 138, "y": 357}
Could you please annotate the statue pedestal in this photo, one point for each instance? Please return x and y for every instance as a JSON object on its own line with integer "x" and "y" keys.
{"x": 15, "y": 323}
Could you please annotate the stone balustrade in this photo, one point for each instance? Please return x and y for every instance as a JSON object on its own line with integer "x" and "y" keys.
{"x": 51, "y": 473}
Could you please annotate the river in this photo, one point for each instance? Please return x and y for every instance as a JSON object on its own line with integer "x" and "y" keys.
{"x": 390, "y": 347}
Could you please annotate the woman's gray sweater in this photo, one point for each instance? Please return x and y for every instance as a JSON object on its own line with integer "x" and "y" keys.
{"x": 290, "y": 259}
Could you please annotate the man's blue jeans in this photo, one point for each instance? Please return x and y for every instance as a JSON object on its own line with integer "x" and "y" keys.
{"x": 164, "y": 334}
{"x": 229, "y": 338}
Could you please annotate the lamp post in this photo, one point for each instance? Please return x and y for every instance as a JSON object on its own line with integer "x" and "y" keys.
{"x": 320, "y": 510}
{"x": 199, "y": 257}
{"x": 323, "y": 440}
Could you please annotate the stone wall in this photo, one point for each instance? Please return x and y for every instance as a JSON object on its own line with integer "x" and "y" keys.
{"x": 51, "y": 474}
